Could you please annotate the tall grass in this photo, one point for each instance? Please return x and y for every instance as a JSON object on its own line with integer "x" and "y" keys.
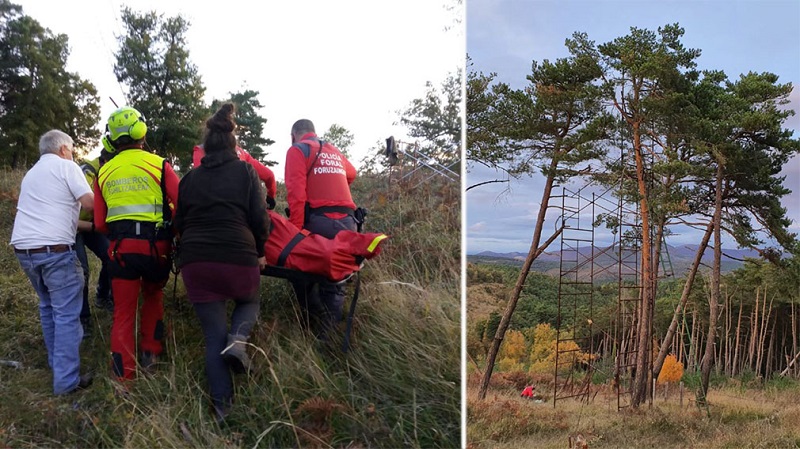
{"x": 741, "y": 415}
{"x": 398, "y": 386}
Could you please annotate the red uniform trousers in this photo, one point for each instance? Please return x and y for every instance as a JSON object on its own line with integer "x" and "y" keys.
{"x": 137, "y": 264}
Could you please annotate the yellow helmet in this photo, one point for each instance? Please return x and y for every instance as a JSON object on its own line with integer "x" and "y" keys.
{"x": 125, "y": 121}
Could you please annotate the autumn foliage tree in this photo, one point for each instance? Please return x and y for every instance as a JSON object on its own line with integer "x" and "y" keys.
{"x": 543, "y": 351}
{"x": 672, "y": 370}
{"x": 513, "y": 351}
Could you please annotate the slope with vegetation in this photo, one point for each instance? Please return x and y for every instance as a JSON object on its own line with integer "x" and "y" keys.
{"x": 398, "y": 386}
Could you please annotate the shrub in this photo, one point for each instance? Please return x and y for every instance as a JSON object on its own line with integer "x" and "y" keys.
{"x": 671, "y": 371}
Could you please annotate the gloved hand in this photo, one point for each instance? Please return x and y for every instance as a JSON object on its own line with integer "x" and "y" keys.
{"x": 270, "y": 203}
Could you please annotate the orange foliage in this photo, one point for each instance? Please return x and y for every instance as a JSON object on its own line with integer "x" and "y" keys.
{"x": 671, "y": 371}
{"x": 513, "y": 347}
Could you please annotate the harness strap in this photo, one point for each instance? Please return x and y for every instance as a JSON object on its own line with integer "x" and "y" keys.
{"x": 329, "y": 209}
{"x": 349, "y": 327}
{"x": 290, "y": 246}
{"x": 311, "y": 167}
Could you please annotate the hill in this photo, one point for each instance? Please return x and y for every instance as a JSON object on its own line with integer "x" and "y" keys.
{"x": 398, "y": 386}
{"x": 678, "y": 260}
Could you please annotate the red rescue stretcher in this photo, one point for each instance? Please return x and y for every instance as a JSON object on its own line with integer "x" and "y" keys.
{"x": 296, "y": 254}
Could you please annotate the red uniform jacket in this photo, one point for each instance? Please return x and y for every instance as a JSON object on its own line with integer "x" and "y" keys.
{"x": 317, "y": 174}
{"x": 527, "y": 392}
{"x": 264, "y": 173}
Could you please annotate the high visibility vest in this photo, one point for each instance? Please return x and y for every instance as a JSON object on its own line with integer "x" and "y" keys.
{"x": 90, "y": 169}
{"x": 131, "y": 186}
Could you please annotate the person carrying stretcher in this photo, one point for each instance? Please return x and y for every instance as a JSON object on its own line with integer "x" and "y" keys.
{"x": 318, "y": 178}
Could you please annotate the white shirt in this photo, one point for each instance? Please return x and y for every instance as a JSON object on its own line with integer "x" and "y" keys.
{"x": 47, "y": 210}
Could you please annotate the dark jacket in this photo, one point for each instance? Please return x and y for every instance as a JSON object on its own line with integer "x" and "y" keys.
{"x": 222, "y": 213}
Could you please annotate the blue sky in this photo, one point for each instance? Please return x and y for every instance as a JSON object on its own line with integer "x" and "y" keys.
{"x": 504, "y": 36}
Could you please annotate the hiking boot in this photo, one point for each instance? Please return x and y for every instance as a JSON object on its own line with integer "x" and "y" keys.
{"x": 84, "y": 382}
{"x": 235, "y": 354}
{"x": 148, "y": 361}
{"x": 221, "y": 412}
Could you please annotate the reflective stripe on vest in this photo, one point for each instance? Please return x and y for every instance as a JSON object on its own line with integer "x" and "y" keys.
{"x": 131, "y": 186}
{"x": 132, "y": 210}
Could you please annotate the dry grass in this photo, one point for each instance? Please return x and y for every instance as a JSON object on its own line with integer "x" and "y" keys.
{"x": 739, "y": 418}
{"x": 397, "y": 387}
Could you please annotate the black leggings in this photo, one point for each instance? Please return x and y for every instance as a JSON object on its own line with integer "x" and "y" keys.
{"x": 214, "y": 321}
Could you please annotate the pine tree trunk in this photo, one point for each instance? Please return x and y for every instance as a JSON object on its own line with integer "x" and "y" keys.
{"x": 753, "y": 335}
{"x": 790, "y": 365}
{"x": 713, "y": 299}
{"x": 679, "y": 339}
{"x": 794, "y": 330}
{"x": 643, "y": 366}
{"x": 784, "y": 334}
{"x": 764, "y": 327}
{"x": 762, "y": 334}
{"x": 687, "y": 288}
{"x": 693, "y": 341}
{"x": 533, "y": 253}
{"x": 770, "y": 363}
{"x": 728, "y": 323}
{"x": 736, "y": 345}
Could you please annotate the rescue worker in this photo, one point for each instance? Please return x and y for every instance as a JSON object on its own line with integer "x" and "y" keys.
{"x": 318, "y": 178}
{"x": 135, "y": 194}
{"x": 527, "y": 392}
{"x": 263, "y": 172}
{"x": 98, "y": 244}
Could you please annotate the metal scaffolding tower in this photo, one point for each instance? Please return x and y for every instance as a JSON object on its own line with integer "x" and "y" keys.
{"x": 575, "y": 298}
{"x": 583, "y": 264}
{"x": 629, "y": 301}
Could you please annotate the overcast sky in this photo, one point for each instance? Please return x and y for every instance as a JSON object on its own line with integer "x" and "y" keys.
{"x": 504, "y": 36}
{"x": 353, "y": 63}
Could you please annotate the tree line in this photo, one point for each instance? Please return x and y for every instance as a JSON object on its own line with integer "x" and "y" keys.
{"x": 153, "y": 65}
{"x": 758, "y": 331}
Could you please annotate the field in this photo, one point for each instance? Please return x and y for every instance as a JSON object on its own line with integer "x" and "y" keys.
{"x": 398, "y": 386}
{"x": 741, "y": 415}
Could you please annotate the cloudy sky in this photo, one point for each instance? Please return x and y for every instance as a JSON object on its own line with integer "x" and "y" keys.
{"x": 352, "y": 63}
{"x": 504, "y": 36}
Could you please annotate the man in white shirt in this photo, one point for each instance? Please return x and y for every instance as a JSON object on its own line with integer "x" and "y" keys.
{"x": 52, "y": 193}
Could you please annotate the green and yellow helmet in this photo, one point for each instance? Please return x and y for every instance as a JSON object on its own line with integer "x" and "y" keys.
{"x": 125, "y": 121}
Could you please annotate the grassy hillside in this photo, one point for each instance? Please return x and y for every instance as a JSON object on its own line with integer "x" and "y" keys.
{"x": 747, "y": 408}
{"x": 742, "y": 415}
{"x": 399, "y": 386}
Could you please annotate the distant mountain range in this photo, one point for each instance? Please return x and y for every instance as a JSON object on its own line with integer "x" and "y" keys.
{"x": 677, "y": 260}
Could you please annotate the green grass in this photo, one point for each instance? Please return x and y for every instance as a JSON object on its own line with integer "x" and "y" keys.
{"x": 398, "y": 386}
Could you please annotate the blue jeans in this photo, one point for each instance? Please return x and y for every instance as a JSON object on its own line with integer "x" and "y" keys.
{"x": 98, "y": 244}
{"x": 58, "y": 280}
